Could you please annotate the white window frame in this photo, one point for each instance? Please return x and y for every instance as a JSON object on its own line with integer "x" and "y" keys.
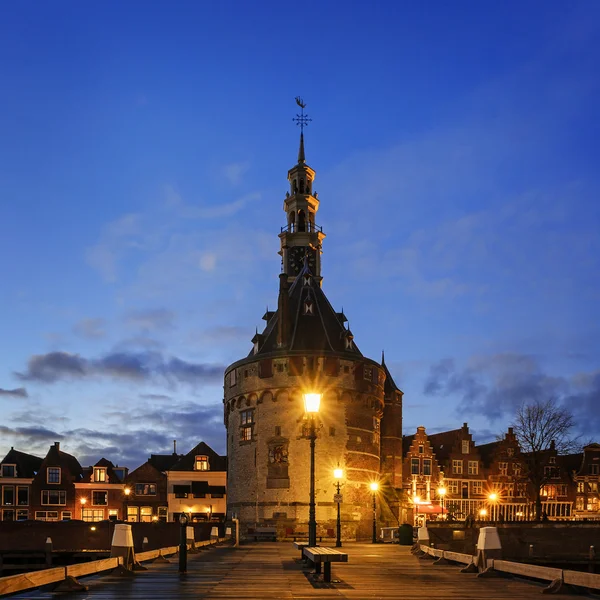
{"x": 466, "y": 446}
{"x": 48, "y": 469}
{"x": 14, "y": 468}
{"x": 473, "y": 467}
{"x": 201, "y": 463}
{"x": 100, "y": 475}
{"x": 457, "y": 466}
{"x": 61, "y": 494}
{"x": 99, "y": 492}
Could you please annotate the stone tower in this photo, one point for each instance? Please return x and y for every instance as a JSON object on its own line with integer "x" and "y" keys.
{"x": 307, "y": 346}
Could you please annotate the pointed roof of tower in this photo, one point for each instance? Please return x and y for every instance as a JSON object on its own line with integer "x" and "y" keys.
{"x": 301, "y": 157}
{"x": 390, "y": 385}
{"x": 314, "y": 325}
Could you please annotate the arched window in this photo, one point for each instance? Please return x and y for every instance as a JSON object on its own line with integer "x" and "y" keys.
{"x": 295, "y": 187}
{"x": 292, "y": 221}
{"x": 301, "y": 221}
{"x": 302, "y": 186}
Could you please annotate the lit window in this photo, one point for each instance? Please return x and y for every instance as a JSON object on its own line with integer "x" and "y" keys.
{"x": 477, "y": 487}
{"x": 579, "y": 504}
{"x": 580, "y": 487}
{"x": 516, "y": 469}
{"x": 510, "y": 452}
{"x": 247, "y": 417}
{"x": 113, "y": 514}
{"x": 246, "y": 434}
{"x": 162, "y": 513}
{"x": 99, "y": 498}
{"x": 133, "y": 514}
{"x": 92, "y": 514}
{"x": 452, "y": 488}
{"x": 53, "y": 475}
{"x": 201, "y": 463}
{"x": 246, "y": 424}
{"x": 503, "y": 468}
{"x": 99, "y": 474}
{"x": 145, "y": 489}
{"x": 473, "y": 467}
{"x": 457, "y": 467}
{"x": 376, "y": 431}
{"x": 465, "y": 446}
{"x": 146, "y": 514}
{"x": 426, "y": 466}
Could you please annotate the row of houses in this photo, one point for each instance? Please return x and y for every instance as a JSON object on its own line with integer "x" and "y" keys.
{"x": 444, "y": 475}
{"x": 449, "y": 474}
{"x": 58, "y": 488}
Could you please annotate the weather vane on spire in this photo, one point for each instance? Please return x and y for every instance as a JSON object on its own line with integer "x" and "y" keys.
{"x": 301, "y": 119}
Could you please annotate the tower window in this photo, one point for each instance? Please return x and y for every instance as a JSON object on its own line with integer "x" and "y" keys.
{"x": 309, "y": 307}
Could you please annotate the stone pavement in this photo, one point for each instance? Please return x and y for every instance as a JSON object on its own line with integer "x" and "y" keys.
{"x": 273, "y": 570}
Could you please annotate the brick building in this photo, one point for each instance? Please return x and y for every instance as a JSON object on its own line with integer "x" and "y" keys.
{"x": 17, "y": 471}
{"x": 587, "y": 482}
{"x": 307, "y": 346}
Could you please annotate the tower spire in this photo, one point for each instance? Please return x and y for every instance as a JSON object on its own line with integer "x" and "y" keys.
{"x": 301, "y": 157}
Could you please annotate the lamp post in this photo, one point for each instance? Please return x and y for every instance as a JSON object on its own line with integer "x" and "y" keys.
{"x": 183, "y": 521}
{"x": 374, "y": 487}
{"x": 311, "y": 407}
{"x": 82, "y": 501}
{"x": 338, "y": 474}
{"x": 482, "y": 513}
{"x": 441, "y": 493}
{"x": 126, "y": 491}
{"x": 416, "y": 502}
{"x": 493, "y": 498}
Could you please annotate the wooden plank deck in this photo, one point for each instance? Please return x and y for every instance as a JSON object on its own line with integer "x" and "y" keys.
{"x": 272, "y": 570}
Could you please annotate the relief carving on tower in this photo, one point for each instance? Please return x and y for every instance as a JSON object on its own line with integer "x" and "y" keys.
{"x": 277, "y": 467}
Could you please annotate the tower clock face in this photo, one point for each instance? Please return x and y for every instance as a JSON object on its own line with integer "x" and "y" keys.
{"x": 296, "y": 259}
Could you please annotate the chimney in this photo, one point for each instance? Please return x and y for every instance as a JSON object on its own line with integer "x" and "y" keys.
{"x": 283, "y": 309}
{"x": 174, "y": 446}
{"x": 57, "y": 445}
{"x": 465, "y": 426}
{"x": 511, "y": 431}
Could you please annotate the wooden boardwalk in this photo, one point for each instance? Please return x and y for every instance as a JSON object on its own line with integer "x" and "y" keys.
{"x": 273, "y": 570}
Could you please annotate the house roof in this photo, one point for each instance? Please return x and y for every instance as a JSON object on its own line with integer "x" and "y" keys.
{"x": 487, "y": 452}
{"x": 27, "y": 464}
{"x": 443, "y": 442}
{"x": 570, "y": 462}
{"x": 390, "y": 385}
{"x": 163, "y": 462}
{"x": 56, "y": 457}
{"x": 322, "y": 330}
{"x": 187, "y": 462}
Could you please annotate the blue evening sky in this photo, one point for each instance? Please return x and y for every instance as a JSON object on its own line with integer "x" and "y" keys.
{"x": 143, "y": 157}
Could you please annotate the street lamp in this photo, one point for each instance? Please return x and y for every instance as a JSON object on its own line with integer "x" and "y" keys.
{"x": 482, "y": 513}
{"x": 338, "y": 474}
{"x": 126, "y": 491}
{"x": 183, "y": 521}
{"x": 374, "y": 487}
{"x": 311, "y": 407}
{"x": 493, "y": 498}
{"x": 82, "y": 501}
{"x": 441, "y": 493}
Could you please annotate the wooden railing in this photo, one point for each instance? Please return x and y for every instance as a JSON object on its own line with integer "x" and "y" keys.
{"x": 25, "y": 581}
{"x": 577, "y": 578}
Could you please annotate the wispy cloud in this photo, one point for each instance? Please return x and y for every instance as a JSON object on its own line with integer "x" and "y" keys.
{"x": 15, "y": 393}
{"x": 90, "y": 328}
{"x": 234, "y": 172}
{"x": 141, "y": 366}
{"x": 151, "y": 319}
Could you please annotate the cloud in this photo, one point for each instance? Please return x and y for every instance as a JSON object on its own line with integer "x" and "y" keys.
{"x": 152, "y": 319}
{"x": 155, "y": 397}
{"x": 90, "y": 328}
{"x": 208, "y": 261}
{"x": 495, "y": 386}
{"x": 141, "y": 366}
{"x": 31, "y": 436}
{"x": 16, "y": 393}
{"x": 234, "y": 172}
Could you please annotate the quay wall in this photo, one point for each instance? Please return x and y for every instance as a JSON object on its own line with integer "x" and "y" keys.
{"x": 79, "y": 536}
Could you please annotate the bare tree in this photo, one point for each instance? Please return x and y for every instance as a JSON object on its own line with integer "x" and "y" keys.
{"x": 542, "y": 428}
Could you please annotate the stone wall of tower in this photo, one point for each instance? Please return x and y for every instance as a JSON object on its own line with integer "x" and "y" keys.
{"x": 391, "y": 439}
{"x": 269, "y": 475}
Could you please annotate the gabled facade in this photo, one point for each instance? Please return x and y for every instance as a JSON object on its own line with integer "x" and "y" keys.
{"x": 197, "y": 485}
{"x": 145, "y": 490}
{"x": 17, "y": 471}
{"x": 53, "y": 496}
{"x": 100, "y": 494}
{"x": 587, "y": 481}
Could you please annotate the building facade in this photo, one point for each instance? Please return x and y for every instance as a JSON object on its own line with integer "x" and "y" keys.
{"x": 17, "y": 471}
{"x": 307, "y": 346}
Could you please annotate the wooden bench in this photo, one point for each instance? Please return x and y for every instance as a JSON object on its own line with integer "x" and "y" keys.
{"x": 300, "y": 546}
{"x": 320, "y": 555}
{"x": 264, "y": 534}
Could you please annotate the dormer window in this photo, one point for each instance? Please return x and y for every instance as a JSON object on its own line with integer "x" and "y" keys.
{"x": 100, "y": 474}
{"x": 9, "y": 470}
{"x": 255, "y": 347}
{"x": 201, "y": 463}
{"x": 308, "y": 307}
{"x": 306, "y": 280}
{"x": 53, "y": 475}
